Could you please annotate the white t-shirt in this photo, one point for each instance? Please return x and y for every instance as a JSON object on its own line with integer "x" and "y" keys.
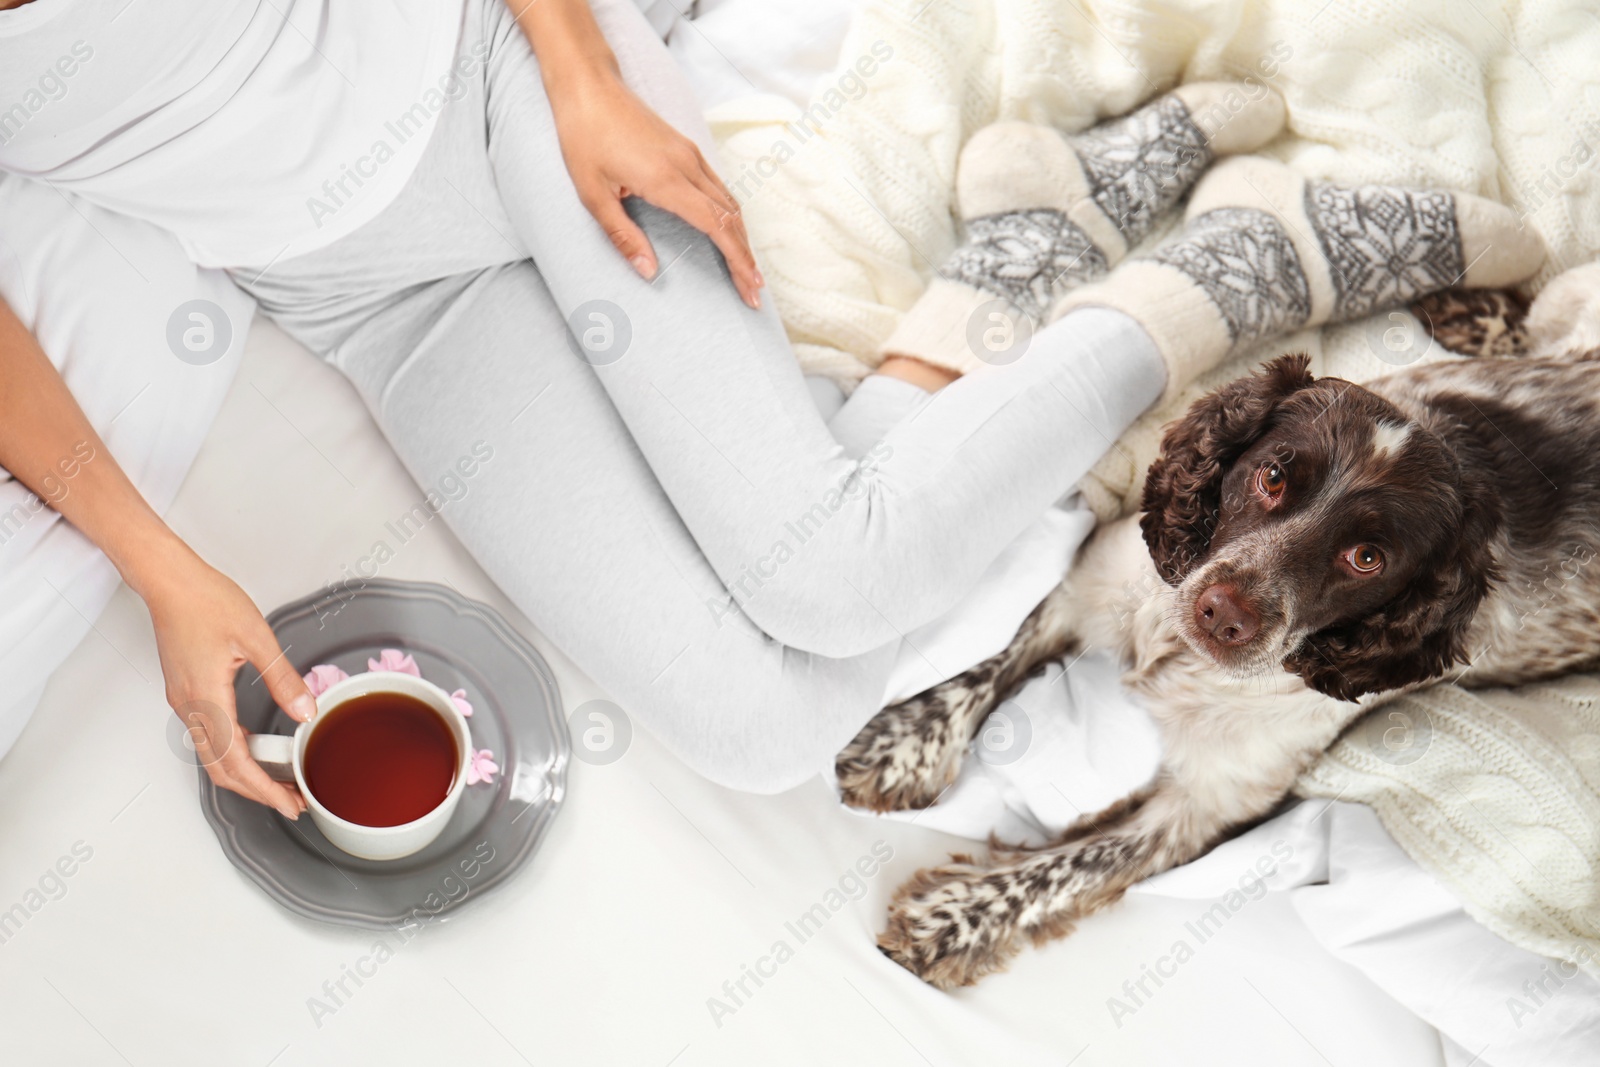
{"x": 253, "y": 130}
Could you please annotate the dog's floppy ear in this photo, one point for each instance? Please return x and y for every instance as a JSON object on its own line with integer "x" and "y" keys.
{"x": 1421, "y": 632}
{"x": 1183, "y": 490}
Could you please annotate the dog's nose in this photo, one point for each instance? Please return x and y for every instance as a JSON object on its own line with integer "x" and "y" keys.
{"x": 1221, "y": 614}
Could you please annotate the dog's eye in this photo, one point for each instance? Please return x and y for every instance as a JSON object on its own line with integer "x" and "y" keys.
{"x": 1272, "y": 479}
{"x": 1364, "y": 559}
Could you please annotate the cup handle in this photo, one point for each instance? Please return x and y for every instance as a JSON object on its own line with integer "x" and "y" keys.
{"x": 275, "y": 753}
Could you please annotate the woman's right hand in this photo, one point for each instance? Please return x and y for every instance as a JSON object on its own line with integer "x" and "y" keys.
{"x": 206, "y": 629}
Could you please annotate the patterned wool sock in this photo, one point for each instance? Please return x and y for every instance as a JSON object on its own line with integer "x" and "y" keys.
{"x": 1266, "y": 252}
{"x": 1046, "y": 212}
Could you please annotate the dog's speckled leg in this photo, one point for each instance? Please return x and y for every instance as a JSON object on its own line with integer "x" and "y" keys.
{"x": 952, "y": 925}
{"x": 910, "y": 752}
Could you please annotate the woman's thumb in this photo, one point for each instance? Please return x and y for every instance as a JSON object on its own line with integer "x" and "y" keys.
{"x": 288, "y": 689}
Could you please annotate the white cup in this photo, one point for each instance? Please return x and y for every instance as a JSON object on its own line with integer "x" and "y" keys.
{"x": 283, "y": 757}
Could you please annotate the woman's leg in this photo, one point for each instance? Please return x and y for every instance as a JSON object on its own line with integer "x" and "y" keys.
{"x": 877, "y": 405}
{"x": 564, "y": 514}
{"x": 824, "y": 553}
{"x": 456, "y": 347}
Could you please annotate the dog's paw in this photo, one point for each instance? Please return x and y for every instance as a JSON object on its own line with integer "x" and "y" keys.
{"x": 909, "y": 753}
{"x": 952, "y": 925}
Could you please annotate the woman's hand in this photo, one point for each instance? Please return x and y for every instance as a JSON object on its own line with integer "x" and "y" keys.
{"x": 615, "y": 146}
{"x": 206, "y": 629}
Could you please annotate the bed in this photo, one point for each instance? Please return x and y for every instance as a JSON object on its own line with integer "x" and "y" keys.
{"x": 632, "y": 935}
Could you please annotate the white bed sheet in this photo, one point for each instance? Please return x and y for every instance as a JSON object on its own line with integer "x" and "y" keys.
{"x": 653, "y": 888}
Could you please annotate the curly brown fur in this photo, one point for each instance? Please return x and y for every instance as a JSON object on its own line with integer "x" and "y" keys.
{"x": 1418, "y": 485}
{"x": 1183, "y": 488}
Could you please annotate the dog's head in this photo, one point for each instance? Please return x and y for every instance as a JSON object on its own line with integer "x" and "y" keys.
{"x": 1309, "y": 523}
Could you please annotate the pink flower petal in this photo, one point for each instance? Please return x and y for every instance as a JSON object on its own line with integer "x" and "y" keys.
{"x": 392, "y": 659}
{"x": 321, "y": 677}
{"x": 482, "y": 767}
{"x": 460, "y": 698}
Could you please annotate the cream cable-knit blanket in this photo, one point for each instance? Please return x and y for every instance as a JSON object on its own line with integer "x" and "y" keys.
{"x": 851, "y": 207}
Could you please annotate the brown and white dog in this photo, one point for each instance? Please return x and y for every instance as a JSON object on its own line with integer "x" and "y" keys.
{"x": 1309, "y": 546}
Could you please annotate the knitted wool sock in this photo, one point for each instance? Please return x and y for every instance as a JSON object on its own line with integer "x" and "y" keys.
{"x": 1046, "y": 212}
{"x": 1266, "y": 252}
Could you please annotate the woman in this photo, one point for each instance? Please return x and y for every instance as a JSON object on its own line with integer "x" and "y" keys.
{"x": 436, "y": 199}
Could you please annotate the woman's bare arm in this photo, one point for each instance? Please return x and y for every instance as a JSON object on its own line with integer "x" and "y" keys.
{"x": 42, "y": 428}
{"x": 206, "y": 627}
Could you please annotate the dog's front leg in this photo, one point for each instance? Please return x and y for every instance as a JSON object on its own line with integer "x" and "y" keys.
{"x": 911, "y": 751}
{"x": 952, "y": 925}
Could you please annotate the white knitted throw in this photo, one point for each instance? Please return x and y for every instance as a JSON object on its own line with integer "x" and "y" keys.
{"x": 851, "y": 210}
{"x": 1497, "y": 793}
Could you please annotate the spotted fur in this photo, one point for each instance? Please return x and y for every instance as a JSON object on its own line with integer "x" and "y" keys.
{"x": 1235, "y": 737}
{"x": 910, "y": 752}
{"x": 1476, "y": 322}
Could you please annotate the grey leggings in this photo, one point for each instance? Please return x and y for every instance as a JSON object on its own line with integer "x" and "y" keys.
{"x": 673, "y": 512}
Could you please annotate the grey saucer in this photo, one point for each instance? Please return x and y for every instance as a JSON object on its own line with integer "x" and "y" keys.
{"x": 457, "y": 644}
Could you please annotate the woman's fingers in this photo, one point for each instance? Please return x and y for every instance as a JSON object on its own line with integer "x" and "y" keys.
{"x": 728, "y": 234}
{"x": 705, "y": 212}
{"x": 250, "y": 780}
{"x": 730, "y": 222}
{"x": 283, "y": 682}
{"x": 727, "y": 213}
{"x": 287, "y": 689}
{"x": 629, "y": 239}
{"x": 223, "y": 748}
{"x": 706, "y": 178}
{"x": 687, "y": 188}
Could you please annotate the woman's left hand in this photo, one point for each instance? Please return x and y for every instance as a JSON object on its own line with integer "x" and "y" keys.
{"x": 615, "y": 146}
